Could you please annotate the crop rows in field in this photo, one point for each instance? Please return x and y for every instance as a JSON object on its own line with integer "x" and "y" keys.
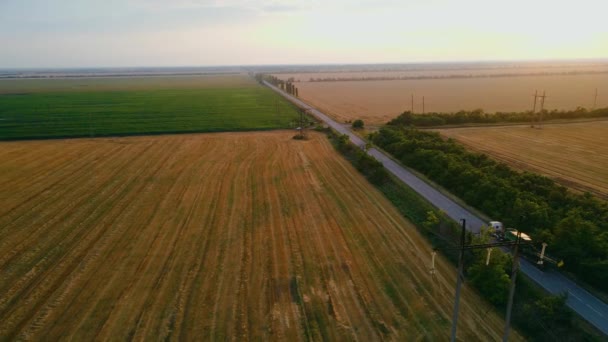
{"x": 573, "y": 154}
{"x": 217, "y": 236}
{"x": 124, "y": 106}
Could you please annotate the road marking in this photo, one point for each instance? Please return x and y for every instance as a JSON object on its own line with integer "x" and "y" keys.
{"x": 575, "y": 296}
{"x": 597, "y": 312}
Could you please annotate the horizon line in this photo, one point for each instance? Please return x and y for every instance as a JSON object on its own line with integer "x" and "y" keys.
{"x": 468, "y": 61}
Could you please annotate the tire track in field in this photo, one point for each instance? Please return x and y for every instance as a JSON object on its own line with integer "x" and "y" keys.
{"x": 283, "y": 259}
{"x": 223, "y": 309}
{"x": 91, "y": 260}
{"x": 316, "y": 249}
{"x": 29, "y": 187}
{"x": 188, "y": 286}
{"x": 54, "y": 244}
{"x": 211, "y": 218}
{"x": 32, "y": 241}
{"x": 342, "y": 293}
{"x": 343, "y": 288}
{"x": 16, "y": 154}
{"x": 29, "y": 206}
{"x": 30, "y": 236}
{"x": 162, "y": 289}
{"x": 148, "y": 273}
{"x": 132, "y": 233}
{"x": 55, "y": 274}
{"x": 210, "y": 271}
{"x": 119, "y": 243}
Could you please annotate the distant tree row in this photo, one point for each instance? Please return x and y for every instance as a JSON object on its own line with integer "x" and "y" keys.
{"x": 452, "y": 76}
{"x": 286, "y": 86}
{"x": 479, "y": 116}
{"x": 574, "y": 225}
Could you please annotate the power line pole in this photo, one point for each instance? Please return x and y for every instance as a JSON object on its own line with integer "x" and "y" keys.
{"x": 534, "y": 108}
{"x": 422, "y": 104}
{"x": 459, "y": 277}
{"x": 505, "y": 337}
{"x": 594, "y": 100}
{"x": 542, "y": 108}
{"x": 412, "y": 103}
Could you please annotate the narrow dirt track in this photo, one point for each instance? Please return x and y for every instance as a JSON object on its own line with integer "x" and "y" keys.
{"x": 215, "y": 236}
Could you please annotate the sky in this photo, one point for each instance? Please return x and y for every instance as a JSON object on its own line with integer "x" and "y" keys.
{"x": 125, "y": 33}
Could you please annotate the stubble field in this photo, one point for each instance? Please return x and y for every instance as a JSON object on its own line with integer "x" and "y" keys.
{"x": 574, "y": 154}
{"x": 212, "y": 237}
{"x": 378, "y": 101}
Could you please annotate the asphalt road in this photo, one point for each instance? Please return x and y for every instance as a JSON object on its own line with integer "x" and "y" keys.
{"x": 581, "y": 301}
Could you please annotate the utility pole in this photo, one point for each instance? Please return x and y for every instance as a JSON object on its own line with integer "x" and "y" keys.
{"x": 412, "y": 103}
{"x": 422, "y": 104}
{"x": 542, "y": 108}
{"x": 505, "y": 337}
{"x": 460, "y": 275}
{"x": 459, "y": 279}
{"x": 301, "y": 128}
{"x": 594, "y": 100}
{"x": 534, "y": 108}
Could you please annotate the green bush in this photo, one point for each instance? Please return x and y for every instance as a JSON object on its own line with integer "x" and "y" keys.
{"x": 358, "y": 124}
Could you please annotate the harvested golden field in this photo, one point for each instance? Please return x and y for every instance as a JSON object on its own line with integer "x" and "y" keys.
{"x": 377, "y": 102}
{"x": 574, "y": 154}
{"x": 212, "y": 237}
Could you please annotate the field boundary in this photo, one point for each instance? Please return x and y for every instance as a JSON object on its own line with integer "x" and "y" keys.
{"x": 520, "y": 123}
{"x": 138, "y": 134}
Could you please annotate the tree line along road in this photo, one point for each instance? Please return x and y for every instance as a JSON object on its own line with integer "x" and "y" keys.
{"x": 581, "y": 301}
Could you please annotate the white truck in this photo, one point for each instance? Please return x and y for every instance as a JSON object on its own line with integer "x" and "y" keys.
{"x": 497, "y": 229}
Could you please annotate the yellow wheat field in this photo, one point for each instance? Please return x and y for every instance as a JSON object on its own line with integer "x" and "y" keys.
{"x": 229, "y": 236}
{"x": 574, "y": 154}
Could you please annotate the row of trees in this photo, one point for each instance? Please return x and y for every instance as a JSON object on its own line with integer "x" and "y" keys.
{"x": 286, "y": 86}
{"x": 575, "y": 226}
{"x": 448, "y": 76}
{"x": 479, "y": 116}
{"x": 539, "y": 316}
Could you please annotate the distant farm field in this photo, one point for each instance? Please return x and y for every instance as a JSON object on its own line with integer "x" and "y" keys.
{"x": 34, "y": 108}
{"x": 574, "y": 154}
{"x": 228, "y": 236}
{"x": 376, "y": 102}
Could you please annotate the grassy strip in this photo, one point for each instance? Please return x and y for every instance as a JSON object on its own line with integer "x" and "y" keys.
{"x": 539, "y": 316}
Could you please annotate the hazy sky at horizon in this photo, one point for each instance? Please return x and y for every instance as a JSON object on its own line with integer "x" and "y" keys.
{"x": 80, "y": 33}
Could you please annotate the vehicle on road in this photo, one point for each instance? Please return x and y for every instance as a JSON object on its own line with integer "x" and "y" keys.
{"x": 496, "y": 229}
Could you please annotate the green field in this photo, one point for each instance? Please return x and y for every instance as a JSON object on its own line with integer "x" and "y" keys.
{"x": 54, "y": 108}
